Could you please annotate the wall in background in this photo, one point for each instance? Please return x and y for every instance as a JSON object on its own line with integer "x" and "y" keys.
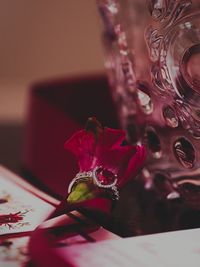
{"x": 43, "y": 39}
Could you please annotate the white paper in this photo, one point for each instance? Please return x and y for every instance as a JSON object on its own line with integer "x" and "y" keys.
{"x": 15, "y": 253}
{"x": 180, "y": 248}
{"x": 32, "y": 209}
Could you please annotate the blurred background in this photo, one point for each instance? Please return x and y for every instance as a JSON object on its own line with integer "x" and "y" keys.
{"x": 40, "y": 40}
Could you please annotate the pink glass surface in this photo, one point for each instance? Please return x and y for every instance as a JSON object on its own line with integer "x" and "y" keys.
{"x": 152, "y": 54}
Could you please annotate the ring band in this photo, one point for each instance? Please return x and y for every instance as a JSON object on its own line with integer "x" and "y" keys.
{"x": 80, "y": 177}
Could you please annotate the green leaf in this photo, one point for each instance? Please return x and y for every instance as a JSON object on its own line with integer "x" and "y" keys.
{"x": 80, "y": 192}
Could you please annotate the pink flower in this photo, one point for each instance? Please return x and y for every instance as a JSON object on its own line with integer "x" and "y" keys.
{"x": 96, "y": 146}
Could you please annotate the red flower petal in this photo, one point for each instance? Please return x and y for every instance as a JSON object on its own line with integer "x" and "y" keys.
{"x": 116, "y": 159}
{"x": 82, "y": 144}
{"x": 134, "y": 165}
{"x": 89, "y": 151}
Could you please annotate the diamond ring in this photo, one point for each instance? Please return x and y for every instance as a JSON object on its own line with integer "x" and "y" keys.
{"x": 101, "y": 177}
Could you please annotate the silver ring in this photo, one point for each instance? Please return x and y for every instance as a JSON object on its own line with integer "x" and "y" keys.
{"x": 83, "y": 176}
{"x": 80, "y": 177}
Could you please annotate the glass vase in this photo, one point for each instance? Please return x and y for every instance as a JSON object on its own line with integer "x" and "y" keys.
{"x": 152, "y": 56}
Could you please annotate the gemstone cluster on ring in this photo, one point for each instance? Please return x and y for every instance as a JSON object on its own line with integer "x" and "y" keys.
{"x": 104, "y": 178}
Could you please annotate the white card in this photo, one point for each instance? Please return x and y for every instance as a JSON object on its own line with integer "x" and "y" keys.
{"x": 20, "y": 210}
{"x": 180, "y": 248}
{"x": 14, "y": 252}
